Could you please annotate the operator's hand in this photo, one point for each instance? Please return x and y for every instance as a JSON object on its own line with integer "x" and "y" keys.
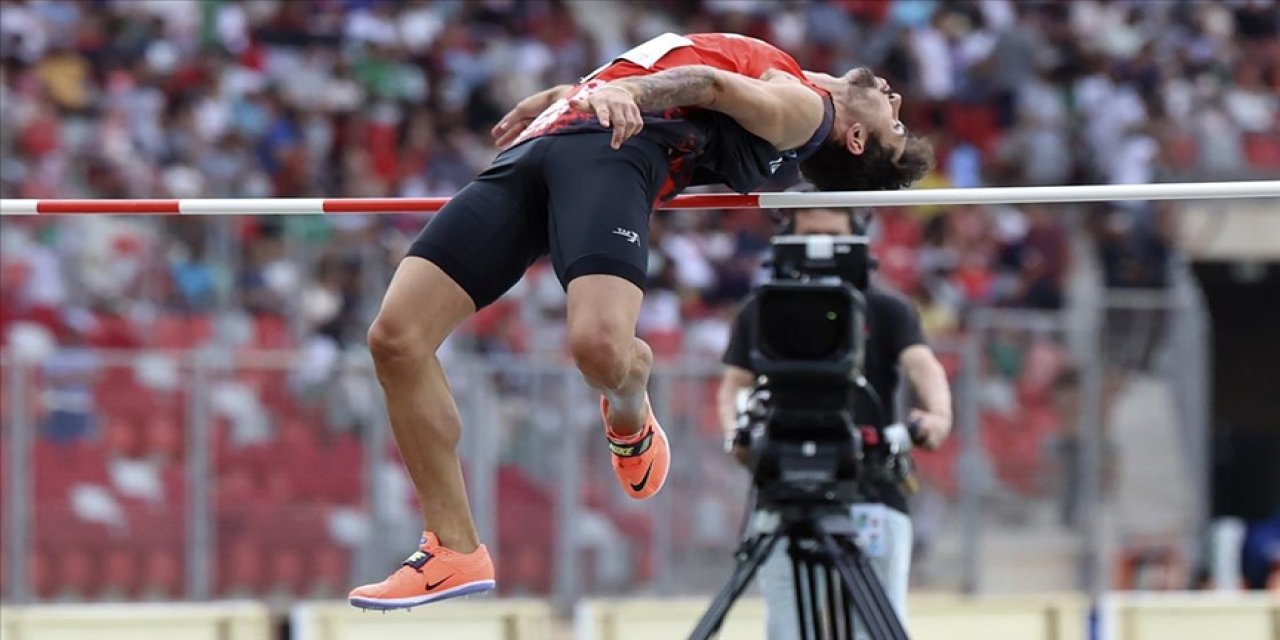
{"x": 616, "y": 108}
{"x": 933, "y": 428}
{"x": 518, "y": 118}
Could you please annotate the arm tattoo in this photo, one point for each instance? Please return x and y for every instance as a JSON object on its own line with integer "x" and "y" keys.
{"x": 678, "y": 87}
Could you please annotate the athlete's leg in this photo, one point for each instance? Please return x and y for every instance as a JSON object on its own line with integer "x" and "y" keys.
{"x": 475, "y": 249}
{"x": 598, "y": 223}
{"x": 603, "y": 310}
{"x": 423, "y": 305}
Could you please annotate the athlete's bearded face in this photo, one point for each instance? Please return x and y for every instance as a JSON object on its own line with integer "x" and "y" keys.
{"x": 874, "y": 107}
{"x": 870, "y": 149}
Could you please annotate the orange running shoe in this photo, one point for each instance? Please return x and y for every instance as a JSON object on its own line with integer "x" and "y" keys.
{"x": 431, "y": 573}
{"x": 640, "y": 461}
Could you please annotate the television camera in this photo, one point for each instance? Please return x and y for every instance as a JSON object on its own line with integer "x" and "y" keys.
{"x": 805, "y": 448}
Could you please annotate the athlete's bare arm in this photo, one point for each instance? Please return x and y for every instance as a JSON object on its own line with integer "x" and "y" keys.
{"x": 512, "y": 124}
{"x": 778, "y": 108}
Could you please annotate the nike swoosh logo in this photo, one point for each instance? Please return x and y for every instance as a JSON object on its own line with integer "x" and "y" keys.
{"x": 643, "y": 481}
{"x": 431, "y": 586}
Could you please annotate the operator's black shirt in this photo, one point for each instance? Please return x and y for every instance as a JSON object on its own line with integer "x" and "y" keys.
{"x": 892, "y": 325}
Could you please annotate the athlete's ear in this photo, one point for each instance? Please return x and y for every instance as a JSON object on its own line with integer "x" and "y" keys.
{"x": 855, "y": 139}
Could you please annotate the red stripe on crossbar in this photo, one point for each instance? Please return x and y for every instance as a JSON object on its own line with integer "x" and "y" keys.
{"x": 108, "y": 206}
{"x": 384, "y": 205}
{"x": 714, "y": 201}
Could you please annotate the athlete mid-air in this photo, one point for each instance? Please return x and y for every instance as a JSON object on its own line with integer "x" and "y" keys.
{"x": 585, "y": 166}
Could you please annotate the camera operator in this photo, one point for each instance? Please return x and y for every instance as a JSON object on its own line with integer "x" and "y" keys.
{"x": 894, "y": 339}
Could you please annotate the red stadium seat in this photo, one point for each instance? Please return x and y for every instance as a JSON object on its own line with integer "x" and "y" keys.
{"x": 164, "y": 437}
{"x": 76, "y": 571}
{"x": 287, "y": 570}
{"x": 54, "y": 470}
{"x": 181, "y": 331}
{"x": 113, "y": 331}
{"x": 122, "y": 437}
{"x": 162, "y": 573}
{"x": 1015, "y": 448}
{"x": 973, "y": 123}
{"x": 118, "y": 392}
{"x": 120, "y": 573}
{"x": 58, "y": 466}
{"x": 42, "y": 573}
{"x": 525, "y": 532}
{"x": 233, "y": 487}
{"x": 899, "y": 229}
{"x": 1262, "y": 150}
{"x": 277, "y": 484}
{"x": 1181, "y": 150}
{"x": 272, "y": 332}
{"x": 951, "y": 363}
{"x": 526, "y": 570}
{"x": 665, "y": 344}
{"x": 240, "y": 568}
{"x": 272, "y": 388}
{"x": 938, "y": 469}
{"x": 327, "y": 572}
{"x": 174, "y": 477}
{"x": 342, "y": 461}
{"x": 156, "y": 525}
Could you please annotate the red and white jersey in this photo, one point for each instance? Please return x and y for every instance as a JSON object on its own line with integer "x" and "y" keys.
{"x": 747, "y": 56}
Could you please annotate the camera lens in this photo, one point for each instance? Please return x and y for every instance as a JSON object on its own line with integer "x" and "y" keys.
{"x": 808, "y": 325}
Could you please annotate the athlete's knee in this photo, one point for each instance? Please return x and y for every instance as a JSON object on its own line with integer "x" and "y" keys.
{"x": 602, "y": 354}
{"x": 394, "y": 339}
{"x": 422, "y": 306}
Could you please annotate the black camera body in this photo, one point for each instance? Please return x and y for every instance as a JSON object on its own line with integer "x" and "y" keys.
{"x": 807, "y": 353}
{"x": 805, "y": 448}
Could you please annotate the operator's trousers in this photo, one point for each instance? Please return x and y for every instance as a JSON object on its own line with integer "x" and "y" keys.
{"x": 892, "y": 568}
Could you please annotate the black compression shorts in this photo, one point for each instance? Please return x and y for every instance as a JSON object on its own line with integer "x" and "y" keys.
{"x": 568, "y": 195}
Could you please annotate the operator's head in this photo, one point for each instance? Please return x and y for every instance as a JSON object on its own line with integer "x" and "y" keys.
{"x": 870, "y": 148}
{"x": 817, "y": 222}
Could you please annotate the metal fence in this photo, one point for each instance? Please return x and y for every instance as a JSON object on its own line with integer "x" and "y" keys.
{"x": 204, "y": 474}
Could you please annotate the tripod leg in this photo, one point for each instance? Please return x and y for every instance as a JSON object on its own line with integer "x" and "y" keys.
{"x": 815, "y": 599}
{"x": 835, "y": 606}
{"x": 869, "y": 599}
{"x": 879, "y": 599}
{"x": 803, "y": 594}
{"x": 819, "y": 610}
{"x": 748, "y": 562}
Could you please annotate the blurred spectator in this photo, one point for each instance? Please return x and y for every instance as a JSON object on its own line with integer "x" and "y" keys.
{"x": 1261, "y": 553}
{"x": 270, "y": 278}
{"x": 69, "y": 375}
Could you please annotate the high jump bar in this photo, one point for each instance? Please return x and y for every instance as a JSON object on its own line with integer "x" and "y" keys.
{"x": 830, "y": 199}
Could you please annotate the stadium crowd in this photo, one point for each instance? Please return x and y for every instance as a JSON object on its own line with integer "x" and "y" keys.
{"x": 370, "y": 98}
{"x": 295, "y": 98}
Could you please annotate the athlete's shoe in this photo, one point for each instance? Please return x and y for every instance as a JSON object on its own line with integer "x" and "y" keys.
{"x": 640, "y": 461}
{"x": 432, "y": 573}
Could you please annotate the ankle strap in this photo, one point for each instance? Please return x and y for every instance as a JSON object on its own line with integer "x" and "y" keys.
{"x": 627, "y": 450}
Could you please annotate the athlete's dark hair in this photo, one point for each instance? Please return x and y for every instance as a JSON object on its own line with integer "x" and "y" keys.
{"x": 833, "y": 168}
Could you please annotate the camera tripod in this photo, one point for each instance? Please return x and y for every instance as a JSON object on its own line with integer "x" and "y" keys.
{"x": 831, "y": 572}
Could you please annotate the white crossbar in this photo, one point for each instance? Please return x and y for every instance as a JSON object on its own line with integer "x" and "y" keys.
{"x": 1027, "y": 195}
{"x": 912, "y": 197}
